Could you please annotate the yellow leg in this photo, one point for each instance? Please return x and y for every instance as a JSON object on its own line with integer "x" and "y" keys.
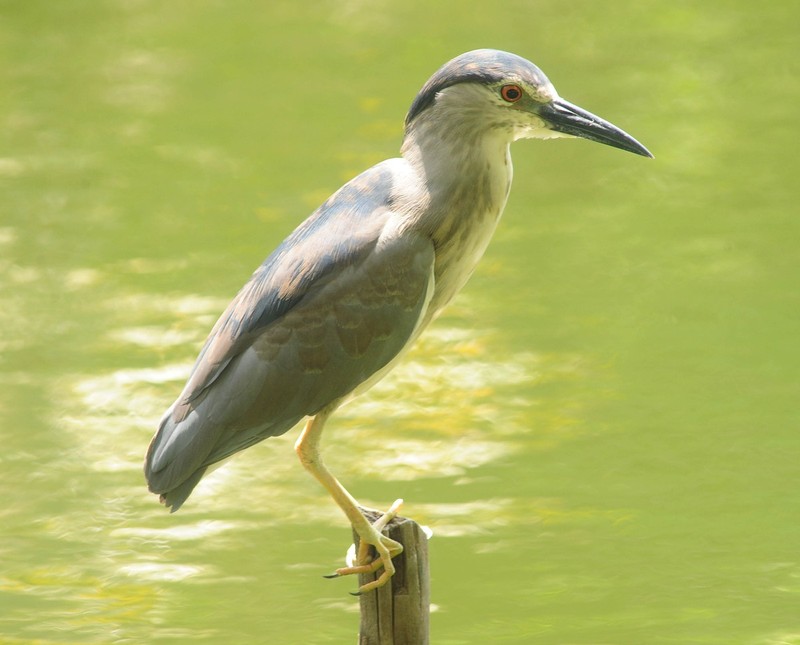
{"x": 307, "y": 448}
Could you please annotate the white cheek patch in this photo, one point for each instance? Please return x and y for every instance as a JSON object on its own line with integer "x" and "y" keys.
{"x": 539, "y": 130}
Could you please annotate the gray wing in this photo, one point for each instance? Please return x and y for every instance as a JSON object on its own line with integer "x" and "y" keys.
{"x": 333, "y": 305}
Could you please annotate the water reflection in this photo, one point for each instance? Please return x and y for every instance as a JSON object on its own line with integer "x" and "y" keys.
{"x": 140, "y": 81}
{"x": 162, "y": 572}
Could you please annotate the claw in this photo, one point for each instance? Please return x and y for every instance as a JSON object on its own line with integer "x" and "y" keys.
{"x": 385, "y": 547}
{"x": 330, "y": 576}
{"x": 368, "y": 567}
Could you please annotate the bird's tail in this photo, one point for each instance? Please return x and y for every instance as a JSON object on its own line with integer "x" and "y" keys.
{"x": 174, "y": 499}
{"x": 174, "y": 464}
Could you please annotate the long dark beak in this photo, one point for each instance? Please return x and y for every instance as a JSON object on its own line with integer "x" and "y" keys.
{"x": 563, "y": 116}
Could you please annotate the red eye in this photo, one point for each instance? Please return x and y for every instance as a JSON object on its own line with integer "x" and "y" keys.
{"x": 511, "y": 93}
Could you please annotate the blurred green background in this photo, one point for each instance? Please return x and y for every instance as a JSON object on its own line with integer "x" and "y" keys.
{"x": 602, "y": 431}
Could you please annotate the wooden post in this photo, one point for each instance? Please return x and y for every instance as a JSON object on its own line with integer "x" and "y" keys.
{"x": 399, "y": 612}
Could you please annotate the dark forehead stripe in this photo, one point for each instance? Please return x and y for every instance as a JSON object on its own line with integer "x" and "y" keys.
{"x": 480, "y": 66}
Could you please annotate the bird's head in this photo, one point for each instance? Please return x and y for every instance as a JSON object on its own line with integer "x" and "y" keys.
{"x": 487, "y": 90}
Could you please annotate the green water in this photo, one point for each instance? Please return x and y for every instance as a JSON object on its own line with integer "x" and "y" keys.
{"x": 602, "y": 432}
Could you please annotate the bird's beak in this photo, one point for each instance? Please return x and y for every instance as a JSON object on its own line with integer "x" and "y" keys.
{"x": 563, "y": 116}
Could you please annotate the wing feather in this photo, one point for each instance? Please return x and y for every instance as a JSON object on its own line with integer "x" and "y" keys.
{"x": 330, "y": 308}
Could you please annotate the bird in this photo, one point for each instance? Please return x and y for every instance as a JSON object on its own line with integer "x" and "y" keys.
{"x": 339, "y": 302}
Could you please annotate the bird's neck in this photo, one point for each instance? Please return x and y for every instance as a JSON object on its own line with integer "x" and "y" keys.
{"x": 460, "y": 167}
{"x": 466, "y": 174}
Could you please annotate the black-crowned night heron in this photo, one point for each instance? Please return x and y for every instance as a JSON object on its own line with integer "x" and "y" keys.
{"x": 337, "y": 304}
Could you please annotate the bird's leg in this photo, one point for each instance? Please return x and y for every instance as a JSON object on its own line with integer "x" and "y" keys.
{"x": 307, "y": 448}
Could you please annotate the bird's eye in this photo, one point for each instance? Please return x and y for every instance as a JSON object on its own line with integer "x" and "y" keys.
{"x": 511, "y": 93}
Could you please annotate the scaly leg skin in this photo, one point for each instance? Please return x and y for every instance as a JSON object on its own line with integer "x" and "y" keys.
{"x": 307, "y": 448}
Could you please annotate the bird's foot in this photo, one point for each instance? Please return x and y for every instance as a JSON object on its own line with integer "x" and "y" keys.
{"x": 386, "y": 548}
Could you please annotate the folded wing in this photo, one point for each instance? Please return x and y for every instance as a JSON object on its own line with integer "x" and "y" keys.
{"x": 330, "y": 308}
